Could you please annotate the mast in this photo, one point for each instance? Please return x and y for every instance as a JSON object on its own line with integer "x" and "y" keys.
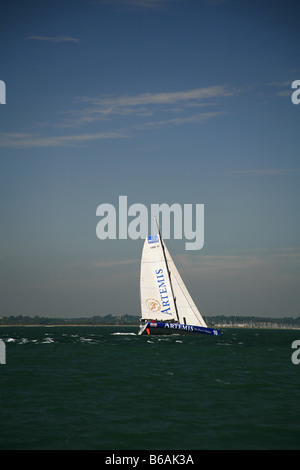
{"x": 168, "y": 270}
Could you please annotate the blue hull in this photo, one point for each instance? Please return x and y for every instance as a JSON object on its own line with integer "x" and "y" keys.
{"x": 153, "y": 328}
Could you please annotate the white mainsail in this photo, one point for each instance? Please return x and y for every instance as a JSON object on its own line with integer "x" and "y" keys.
{"x": 157, "y": 301}
{"x": 164, "y": 295}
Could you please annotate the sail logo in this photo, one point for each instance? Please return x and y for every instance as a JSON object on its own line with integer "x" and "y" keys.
{"x": 133, "y": 222}
{"x": 163, "y": 291}
{"x": 153, "y": 305}
{"x": 153, "y": 239}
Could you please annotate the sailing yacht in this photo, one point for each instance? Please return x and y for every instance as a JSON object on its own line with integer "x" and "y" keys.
{"x": 166, "y": 305}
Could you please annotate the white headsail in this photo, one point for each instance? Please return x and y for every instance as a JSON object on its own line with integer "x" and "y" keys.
{"x": 187, "y": 310}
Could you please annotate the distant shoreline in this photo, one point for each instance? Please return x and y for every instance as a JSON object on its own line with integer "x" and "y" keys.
{"x": 246, "y": 327}
{"x": 67, "y": 326}
{"x": 217, "y": 321}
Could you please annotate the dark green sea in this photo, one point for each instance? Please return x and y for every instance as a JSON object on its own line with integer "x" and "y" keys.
{"x": 107, "y": 388}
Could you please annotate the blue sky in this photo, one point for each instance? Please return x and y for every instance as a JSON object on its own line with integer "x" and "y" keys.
{"x": 163, "y": 101}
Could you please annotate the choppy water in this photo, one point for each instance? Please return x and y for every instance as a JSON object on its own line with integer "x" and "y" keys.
{"x": 107, "y": 388}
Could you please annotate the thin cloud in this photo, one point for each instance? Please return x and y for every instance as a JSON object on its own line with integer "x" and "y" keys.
{"x": 266, "y": 171}
{"x": 148, "y": 104}
{"x": 214, "y": 3}
{"x": 165, "y": 109}
{"x": 54, "y": 38}
{"x": 280, "y": 84}
{"x": 110, "y": 105}
{"x": 201, "y": 117}
{"x": 22, "y": 140}
{"x": 155, "y": 4}
{"x": 284, "y": 88}
{"x": 143, "y": 4}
